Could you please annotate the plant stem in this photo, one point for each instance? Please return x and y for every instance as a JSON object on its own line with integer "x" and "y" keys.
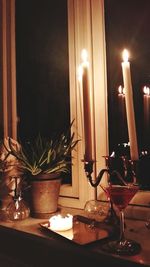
{"x": 122, "y": 236}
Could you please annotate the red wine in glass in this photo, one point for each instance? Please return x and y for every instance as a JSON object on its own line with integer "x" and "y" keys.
{"x": 121, "y": 195}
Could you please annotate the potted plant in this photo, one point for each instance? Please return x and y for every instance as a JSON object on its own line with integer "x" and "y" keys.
{"x": 43, "y": 162}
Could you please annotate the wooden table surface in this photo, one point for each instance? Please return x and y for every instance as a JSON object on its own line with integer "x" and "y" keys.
{"x": 25, "y": 242}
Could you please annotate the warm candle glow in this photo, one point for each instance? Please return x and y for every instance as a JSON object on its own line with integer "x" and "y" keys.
{"x": 129, "y": 106}
{"x": 146, "y": 118}
{"x": 60, "y": 223}
{"x": 146, "y": 90}
{"x": 84, "y": 55}
{"x": 121, "y": 90}
{"x": 125, "y": 55}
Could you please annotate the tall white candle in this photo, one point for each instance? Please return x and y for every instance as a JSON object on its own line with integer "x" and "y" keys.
{"x": 146, "y": 102}
{"x": 129, "y": 106}
{"x": 80, "y": 73}
{"x": 87, "y": 107}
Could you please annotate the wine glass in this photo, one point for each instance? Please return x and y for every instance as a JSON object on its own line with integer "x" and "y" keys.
{"x": 111, "y": 217}
{"x": 95, "y": 211}
{"x": 121, "y": 195}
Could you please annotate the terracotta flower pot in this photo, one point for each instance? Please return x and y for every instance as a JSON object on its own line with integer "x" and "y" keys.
{"x": 44, "y": 195}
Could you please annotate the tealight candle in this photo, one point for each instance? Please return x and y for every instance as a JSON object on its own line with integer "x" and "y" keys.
{"x": 60, "y": 223}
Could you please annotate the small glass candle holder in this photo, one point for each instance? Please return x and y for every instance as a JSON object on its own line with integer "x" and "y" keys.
{"x": 17, "y": 208}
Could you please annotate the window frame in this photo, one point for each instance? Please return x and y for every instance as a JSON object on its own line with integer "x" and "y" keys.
{"x": 9, "y": 68}
{"x": 85, "y": 30}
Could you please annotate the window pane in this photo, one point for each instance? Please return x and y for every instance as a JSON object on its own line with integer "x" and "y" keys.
{"x": 127, "y": 26}
{"x": 42, "y": 67}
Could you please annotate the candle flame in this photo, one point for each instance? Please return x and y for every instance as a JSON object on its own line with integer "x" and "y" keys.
{"x": 121, "y": 90}
{"x": 125, "y": 55}
{"x": 84, "y": 55}
{"x": 146, "y": 90}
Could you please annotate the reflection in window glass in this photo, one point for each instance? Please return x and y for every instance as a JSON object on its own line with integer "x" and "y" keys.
{"x": 127, "y": 26}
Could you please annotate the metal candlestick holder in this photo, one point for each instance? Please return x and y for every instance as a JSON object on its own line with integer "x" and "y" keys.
{"x": 120, "y": 168}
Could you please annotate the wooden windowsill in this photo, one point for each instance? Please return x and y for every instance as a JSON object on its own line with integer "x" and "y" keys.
{"x": 24, "y": 242}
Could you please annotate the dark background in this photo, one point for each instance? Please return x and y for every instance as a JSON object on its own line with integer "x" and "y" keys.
{"x": 42, "y": 67}
{"x": 1, "y": 78}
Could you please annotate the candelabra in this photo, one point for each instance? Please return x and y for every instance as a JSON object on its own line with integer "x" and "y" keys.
{"x": 117, "y": 168}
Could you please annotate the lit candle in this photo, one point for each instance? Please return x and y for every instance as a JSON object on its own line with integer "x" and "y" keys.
{"x": 80, "y": 73}
{"x": 122, "y": 112}
{"x": 146, "y": 96}
{"x": 146, "y": 91}
{"x": 87, "y": 107}
{"x": 129, "y": 106}
{"x": 61, "y": 223}
{"x": 121, "y": 91}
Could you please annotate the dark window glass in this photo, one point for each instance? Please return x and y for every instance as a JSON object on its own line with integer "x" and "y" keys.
{"x": 42, "y": 67}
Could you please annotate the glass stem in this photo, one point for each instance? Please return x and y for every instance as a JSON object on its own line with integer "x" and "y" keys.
{"x": 122, "y": 226}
